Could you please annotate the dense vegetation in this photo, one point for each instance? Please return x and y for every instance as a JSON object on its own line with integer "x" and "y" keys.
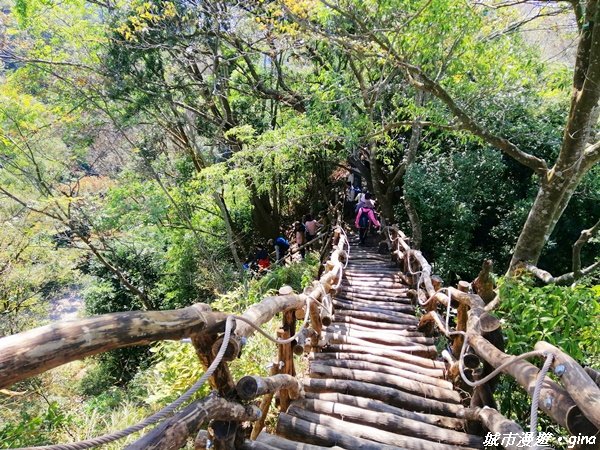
{"x": 147, "y": 146}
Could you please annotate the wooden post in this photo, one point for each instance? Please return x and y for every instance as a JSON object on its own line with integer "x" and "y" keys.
{"x": 461, "y": 320}
{"x": 250, "y": 386}
{"x": 496, "y": 423}
{"x": 201, "y": 441}
{"x": 265, "y": 404}
{"x": 224, "y": 434}
{"x": 286, "y": 355}
{"x": 174, "y": 431}
{"x": 483, "y": 284}
{"x": 221, "y": 380}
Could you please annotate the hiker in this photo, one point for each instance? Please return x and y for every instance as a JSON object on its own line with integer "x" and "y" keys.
{"x": 261, "y": 258}
{"x": 364, "y": 217}
{"x": 300, "y": 234}
{"x": 364, "y": 199}
{"x": 281, "y": 245}
{"x": 350, "y": 195}
{"x": 312, "y": 226}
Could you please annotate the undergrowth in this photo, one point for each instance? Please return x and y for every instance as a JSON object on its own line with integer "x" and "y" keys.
{"x": 567, "y": 317}
{"x": 55, "y": 407}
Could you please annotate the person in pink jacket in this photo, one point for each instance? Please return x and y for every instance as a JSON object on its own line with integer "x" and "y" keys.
{"x": 364, "y": 217}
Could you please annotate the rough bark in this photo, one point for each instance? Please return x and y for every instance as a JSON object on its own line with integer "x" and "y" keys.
{"x": 559, "y": 183}
{"x": 229, "y": 228}
{"x": 382, "y": 406}
{"x": 385, "y": 421}
{"x": 577, "y": 382}
{"x": 174, "y": 432}
{"x": 554, "y": 400}
{"x": 32, "y": 352}
{"x": 391, "y": 396}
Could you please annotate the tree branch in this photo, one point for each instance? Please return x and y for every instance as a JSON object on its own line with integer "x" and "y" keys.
{"x": 578, "y": 272}
{"x": 585, "y": 236}
{"x": 421, "y": 81}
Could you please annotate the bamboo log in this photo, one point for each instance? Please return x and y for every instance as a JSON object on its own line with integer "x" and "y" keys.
{"x": 385, "y": 307}
{"x": 375, "y": 299}
{"x": 174, "y": 432}
{"x": 577, "y": 382}
{"x": 265, "y": 404}
{"x": 382, "y": 406}
{"x": 370, "y": 432}
{"x": 29, "y": 353}
{"x": 408, "y": 374}
{"x": 373, "y": 307}
{"x": 403, "y": 319}
{"x": 371, "y": 271}
{"x": 369, "y": 324}
{"x": 391, "y": 396}
{"x": 303, "y": 341}
{"x": 382, "y": 293}
{"x": 383, "y": 336}
{"x": 461, "y": 320}
{"x": 283, "y": 444}
{"x": 385, "y": 421}
{"x": 318, "y": 370}
{"x": 497, "y": 423}
{"x": 380, "y": 361}
{"x": 374, "y": 284}
{"x": 388, "y": 353}
{"x": 252, "y": 386}
{"x": 554, "y": 400}
{"x": 346, "y": 326}
{"x": 404, "y": 346}
{"x": 416, "y": 349}
{"x": 297, "y": 429}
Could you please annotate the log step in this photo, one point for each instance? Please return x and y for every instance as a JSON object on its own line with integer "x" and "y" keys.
{"x": 374, "y": 384}
{"x": 400, "y": 424}
{"x": 379, "y": 360}
{"x": 322, "y": 371}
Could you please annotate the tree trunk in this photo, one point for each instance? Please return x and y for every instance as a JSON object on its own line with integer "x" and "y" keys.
{"x": 220, "y": 201}
{"x": 265, "y": 222}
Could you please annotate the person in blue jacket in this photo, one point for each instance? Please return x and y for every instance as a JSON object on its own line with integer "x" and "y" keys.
{"x": 281, "y": 245}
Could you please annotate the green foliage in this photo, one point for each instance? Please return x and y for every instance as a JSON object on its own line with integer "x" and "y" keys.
{"x": 175, "y": 365}
{"x": 466, "y": 217}
{"x": 34, "y": 428}
{"x": 567, "y": 317}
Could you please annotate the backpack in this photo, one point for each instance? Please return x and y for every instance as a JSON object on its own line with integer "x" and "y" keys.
{"x": 363, "y": 220}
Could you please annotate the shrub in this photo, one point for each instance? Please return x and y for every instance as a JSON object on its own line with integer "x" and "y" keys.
{"x": 567, "y": 317}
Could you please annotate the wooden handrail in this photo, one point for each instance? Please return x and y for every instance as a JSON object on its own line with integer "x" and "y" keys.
{"x": 31, "y": 352}
{"x": 565, "y": 406}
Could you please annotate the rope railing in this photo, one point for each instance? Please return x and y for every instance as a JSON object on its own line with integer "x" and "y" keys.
{"x": 154, "y": 418}
{"x": 562, "y": 403}
{"x": 199, "y": 321}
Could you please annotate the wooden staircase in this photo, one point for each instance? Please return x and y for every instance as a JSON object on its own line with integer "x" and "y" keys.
{"x": 376, "y": 383}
